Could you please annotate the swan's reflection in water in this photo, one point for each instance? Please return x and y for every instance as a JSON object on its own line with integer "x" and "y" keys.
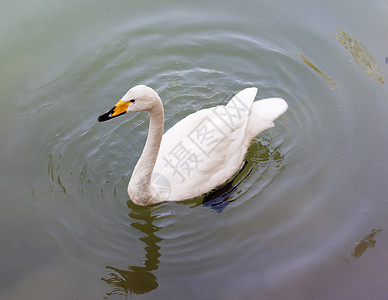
{"x": 140, "y": 280}
{"x": 135, "y": 279}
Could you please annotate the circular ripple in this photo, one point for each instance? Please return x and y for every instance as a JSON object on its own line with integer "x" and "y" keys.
{"x": 87, "y": 165}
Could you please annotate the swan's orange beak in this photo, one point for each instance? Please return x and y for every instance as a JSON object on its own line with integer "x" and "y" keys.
{"x": 119, "y": 109}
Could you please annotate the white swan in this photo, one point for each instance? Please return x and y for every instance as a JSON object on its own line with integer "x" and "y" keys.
{"x": 200, "y": 152}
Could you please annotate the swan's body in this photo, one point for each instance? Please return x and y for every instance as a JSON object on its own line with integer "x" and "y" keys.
{"x": 200, "y": 152}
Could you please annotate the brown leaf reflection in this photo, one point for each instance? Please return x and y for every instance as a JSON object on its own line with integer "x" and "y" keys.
{"x": 135, "y": 279}
{"x": 367, "y": 242}
{"x": 309, "y": 63}
{"x": 360, "y": 55}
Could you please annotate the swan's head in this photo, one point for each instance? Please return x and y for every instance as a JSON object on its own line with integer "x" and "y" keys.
{"x": 138, "y": 98}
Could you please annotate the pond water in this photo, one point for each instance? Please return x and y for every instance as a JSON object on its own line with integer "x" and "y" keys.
{"x": 305, "y": 219}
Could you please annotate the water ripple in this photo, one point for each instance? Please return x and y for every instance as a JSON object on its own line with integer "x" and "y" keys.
{"x": 200, "y": 65}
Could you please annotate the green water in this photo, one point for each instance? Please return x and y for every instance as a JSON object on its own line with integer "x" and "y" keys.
{"x": 305, "y": 219}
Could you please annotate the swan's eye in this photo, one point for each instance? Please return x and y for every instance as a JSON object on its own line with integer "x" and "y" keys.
{"x": 132, "y": 100}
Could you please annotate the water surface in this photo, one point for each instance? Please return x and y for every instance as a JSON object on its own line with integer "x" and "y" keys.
{"x": 306, "y": 217}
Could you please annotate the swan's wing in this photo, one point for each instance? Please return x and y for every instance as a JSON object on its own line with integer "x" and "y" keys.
{"x": 203, "y": 150}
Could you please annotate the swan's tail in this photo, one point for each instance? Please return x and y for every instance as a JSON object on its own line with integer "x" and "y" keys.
{"x": 263, "y": 114}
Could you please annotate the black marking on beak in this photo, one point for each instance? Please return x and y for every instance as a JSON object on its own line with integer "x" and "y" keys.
{"x": 108, "y": 115}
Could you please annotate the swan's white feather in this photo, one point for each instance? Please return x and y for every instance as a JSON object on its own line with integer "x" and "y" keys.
{"x": 200, "y": 152}
{"x": 206, "y": 148}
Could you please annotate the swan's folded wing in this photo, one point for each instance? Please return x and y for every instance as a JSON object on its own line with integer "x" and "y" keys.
{"x": 201, "y": 152}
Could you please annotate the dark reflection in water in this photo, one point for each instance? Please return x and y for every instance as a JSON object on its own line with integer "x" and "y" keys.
{"x": 134, "y": 279}
{"x": 361, "y": 55}
{"x": 53, "y": 171}
{"x": 218, "y": 198}
{"x": 367, "y": 242}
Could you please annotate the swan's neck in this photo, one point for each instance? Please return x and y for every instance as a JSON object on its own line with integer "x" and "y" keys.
{"x": 139, "y": 188}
